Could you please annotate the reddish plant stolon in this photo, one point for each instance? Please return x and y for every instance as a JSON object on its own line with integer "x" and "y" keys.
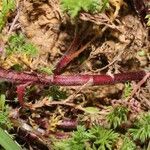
{"x": 24, "y": 79}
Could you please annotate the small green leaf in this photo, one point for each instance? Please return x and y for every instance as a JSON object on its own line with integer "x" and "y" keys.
{"x": 4, "y": 120}
{"x": 148, "y": 19}
{"x": 2, "y": 102}
{"x": 91, "y": 110}
{"x": 141, "y": 53}
{"x": 47, "y": 70}
{"x": 17, "y": 67}
{"x": 7, "y": 142}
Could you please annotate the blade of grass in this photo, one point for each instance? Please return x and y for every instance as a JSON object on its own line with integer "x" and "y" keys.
{"x": 7, "y": 142}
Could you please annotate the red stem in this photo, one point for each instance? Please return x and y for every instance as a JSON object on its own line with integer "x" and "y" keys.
{"x": 67, "y": 57}
{"x": 70, "y": 80}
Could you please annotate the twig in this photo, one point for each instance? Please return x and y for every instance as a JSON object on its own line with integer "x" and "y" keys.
{"x": 79, "y": 90}
{"x": 15, "y": 20}
{"x": 146, "y": 101}
{"x": 111, "y": 63}
{"x": 137, "y": 87}
{"x": 116, "y": 58}
{"x": 29, "y": 134}
{"x": 46, "y": 102}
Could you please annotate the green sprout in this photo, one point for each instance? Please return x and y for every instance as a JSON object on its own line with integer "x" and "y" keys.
{"x": 95, "y": 138}
{"x": 4, "y": 119}
{"x": 76, "y": 142}
{"x": 117, "y": 116}
{"x": 128, "y": 144}
{"x": 104, "y": 139}
{"x": 141, "y": 130}
{"x": 127, "y": 90}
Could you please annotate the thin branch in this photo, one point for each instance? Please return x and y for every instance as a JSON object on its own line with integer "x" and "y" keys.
{"x": 140, "y": 83}
{"x": 15, "y": 20}
{"x": 116, "y": 57}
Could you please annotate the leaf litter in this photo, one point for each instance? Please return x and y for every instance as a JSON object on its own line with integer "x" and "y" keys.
{"x": 54, "y": 114}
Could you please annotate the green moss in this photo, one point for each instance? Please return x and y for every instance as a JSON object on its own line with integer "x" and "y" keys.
{"x": 117, "y": 116}
{"x": 141, "y": 128}
{"x": 18, "y": 43}
{"x": 74, "y": 7}
{"x": 7, "y": 6}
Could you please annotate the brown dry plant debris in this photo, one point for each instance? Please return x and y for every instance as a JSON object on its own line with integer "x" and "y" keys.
{"x": 122, "y": 45}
